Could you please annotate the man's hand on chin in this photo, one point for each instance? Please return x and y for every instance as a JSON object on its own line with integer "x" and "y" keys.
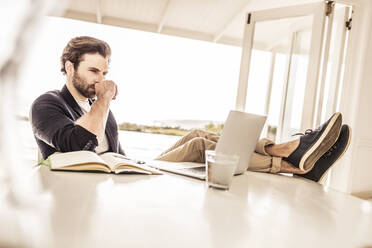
{"x": 95, "y": 120}
{"x": 107, "y": 89}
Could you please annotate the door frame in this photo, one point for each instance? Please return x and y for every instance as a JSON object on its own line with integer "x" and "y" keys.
{"x": 318, "y": 10}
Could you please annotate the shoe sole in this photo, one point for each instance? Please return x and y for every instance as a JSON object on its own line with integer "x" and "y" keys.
{"x": 322, "y": 145}
{"x": 322, "y": 178}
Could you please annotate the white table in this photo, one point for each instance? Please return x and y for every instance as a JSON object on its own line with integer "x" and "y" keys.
{"x": 259, "y": 210}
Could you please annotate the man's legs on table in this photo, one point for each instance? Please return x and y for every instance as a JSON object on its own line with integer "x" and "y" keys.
{"x": 191, "y": 135}
{"x": 297, "y": 156}
{"x": 264, "y": 159}
{"x": 191, "y": 147}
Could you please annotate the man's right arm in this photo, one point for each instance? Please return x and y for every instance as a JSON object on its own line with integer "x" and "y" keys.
{"x": 53, "y": 123}
{"x": 95, "y": 120}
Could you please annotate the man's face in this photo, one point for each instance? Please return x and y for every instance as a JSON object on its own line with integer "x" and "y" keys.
{"x": 91, "y": 70}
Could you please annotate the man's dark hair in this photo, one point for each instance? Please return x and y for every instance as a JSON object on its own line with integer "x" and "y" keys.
{"x": 78, "y": 46}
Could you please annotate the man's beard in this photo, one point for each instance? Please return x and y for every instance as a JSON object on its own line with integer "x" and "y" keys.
{"x": 83, "y": 87}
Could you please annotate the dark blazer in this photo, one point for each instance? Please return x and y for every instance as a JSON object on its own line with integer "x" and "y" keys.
{"x": 53, "y": 117}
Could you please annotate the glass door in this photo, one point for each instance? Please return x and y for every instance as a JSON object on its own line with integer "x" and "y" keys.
{"x": 282, "y": 50}
{"x": 333, "y": 70}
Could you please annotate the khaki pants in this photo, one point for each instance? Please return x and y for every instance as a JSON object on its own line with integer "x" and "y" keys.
{"x": 192, "y": 146}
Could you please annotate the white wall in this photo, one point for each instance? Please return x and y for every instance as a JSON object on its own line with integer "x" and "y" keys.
{"x": 354, "y": 172}
{"x": 362, "y": 172}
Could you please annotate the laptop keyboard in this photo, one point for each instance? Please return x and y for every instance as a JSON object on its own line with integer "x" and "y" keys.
{"x": 196, "y": 170}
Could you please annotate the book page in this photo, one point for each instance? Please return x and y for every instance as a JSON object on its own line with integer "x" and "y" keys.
{"x": 70, "y": 159}
{"x": 113, "y": 160}
{"x": 121, "y": 164}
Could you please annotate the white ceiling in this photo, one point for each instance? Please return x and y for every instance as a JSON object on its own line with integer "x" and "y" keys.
{"x": 220, "y": 21}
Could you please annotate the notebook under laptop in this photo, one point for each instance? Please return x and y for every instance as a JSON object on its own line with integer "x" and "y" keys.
{"x": 239, "y": 136}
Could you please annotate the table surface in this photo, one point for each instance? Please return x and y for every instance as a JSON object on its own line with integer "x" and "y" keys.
{"x": 259, "y": 210}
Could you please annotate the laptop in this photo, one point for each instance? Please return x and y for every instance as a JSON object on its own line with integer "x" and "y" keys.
{"x": 239, "y": 136}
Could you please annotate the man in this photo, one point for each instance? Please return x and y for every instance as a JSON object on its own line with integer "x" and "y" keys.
{"x": 70, "y": 119}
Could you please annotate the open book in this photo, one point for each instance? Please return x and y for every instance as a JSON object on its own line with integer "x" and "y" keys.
{"x": 91, "y": 161}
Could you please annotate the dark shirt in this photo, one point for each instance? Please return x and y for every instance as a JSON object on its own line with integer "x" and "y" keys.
{"x": 53, "y": 117}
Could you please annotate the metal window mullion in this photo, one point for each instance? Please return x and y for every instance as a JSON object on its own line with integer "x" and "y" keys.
{"x": 269, "y": 88}
{"x": 245, "y": 64}
{"x": 338, "y": 41}
{"x": 285, "y": 89}
{"x": 270, "y": 84}
{"x": 308, "y": 110}
{"x": 323, "y": 75}
{"x": 342, "y": 54}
